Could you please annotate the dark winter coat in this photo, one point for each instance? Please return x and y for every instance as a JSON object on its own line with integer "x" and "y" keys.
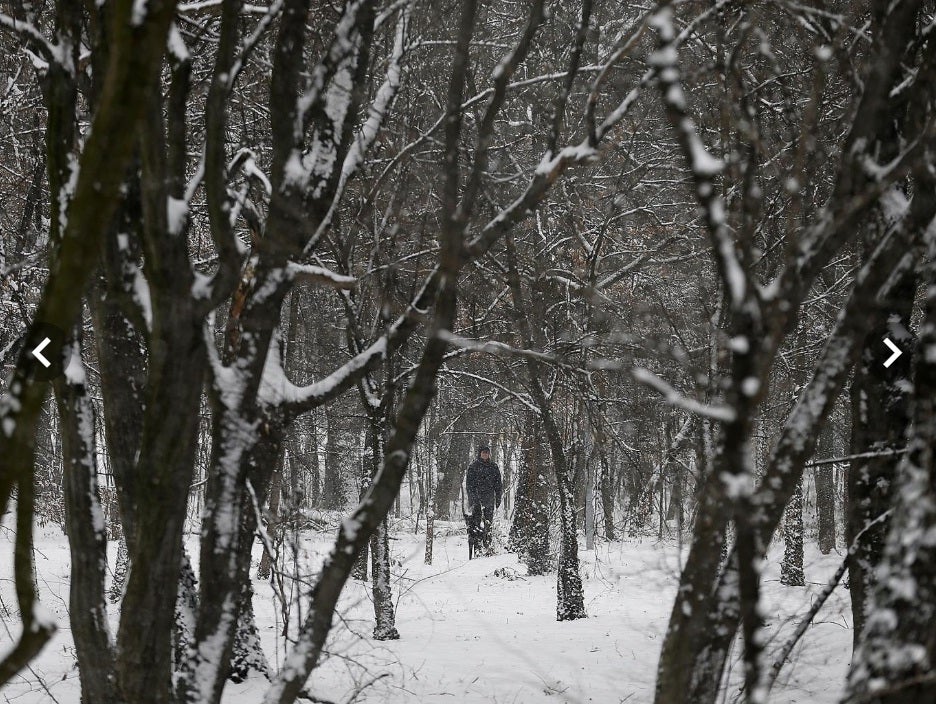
{"x": 483, "y": 484}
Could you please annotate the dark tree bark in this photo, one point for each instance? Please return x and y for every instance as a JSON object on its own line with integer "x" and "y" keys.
{"x": 529, "y": 532}
{"x": 825, "y": 492}
{"x": 273, "y": 524}
{"x": 694, "y": 652}
{"x": 893, "y": 661}
{"x": 791, "y": 567}
{"x": 247, "y": 653}
{"x": 135, "y": 52}
{"x": 453, "y": 462}
{"x": 606, "y": 487}
{"x": 87, "y": 539}
{"x": 880, "y": 417}
{"x": 336, "y": 450}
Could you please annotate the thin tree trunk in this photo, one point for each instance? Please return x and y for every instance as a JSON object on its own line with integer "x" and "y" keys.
{"x": 273, "y": 523}
{"x": 428, "y": 506}
{"x": 825, "y": 493}
{"x": 607, "y": 496}
{"x": 384, "y": 615}
{"x": 590, "y": 504}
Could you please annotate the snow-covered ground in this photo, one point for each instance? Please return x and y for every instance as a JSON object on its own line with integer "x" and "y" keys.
{"x": 471, "y": 632}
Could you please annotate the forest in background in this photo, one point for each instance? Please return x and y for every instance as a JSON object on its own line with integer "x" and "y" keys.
{"x": 296, "y": 261}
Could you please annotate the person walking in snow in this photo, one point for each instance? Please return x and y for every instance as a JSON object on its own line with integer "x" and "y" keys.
{"x": 484, "y": 487}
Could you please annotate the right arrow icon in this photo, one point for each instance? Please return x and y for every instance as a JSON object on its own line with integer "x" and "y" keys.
{"x": 895, "y": 352}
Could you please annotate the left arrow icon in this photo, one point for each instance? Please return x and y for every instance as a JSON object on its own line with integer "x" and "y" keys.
{"x": 44, "y": 344}
{"x": 37, "y": 352}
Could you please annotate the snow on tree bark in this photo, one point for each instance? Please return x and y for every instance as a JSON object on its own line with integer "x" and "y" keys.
{"x": 87, "y": 539}
{"x": 708, "y": 605}
{"x": 791, "y": 567}
{"x": 880, "y": 418}
{"x": 894, "y": 659}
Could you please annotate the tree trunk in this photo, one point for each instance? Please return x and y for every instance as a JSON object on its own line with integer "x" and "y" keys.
{"x": 825, "y": 493}
{"x": 247, "y": 653}
{"x": 333, "y": 486}
{"x": 508, "y": 474}
{"x": 183, "y": 636}
{"x": 427, "y": 507}
{"x": 453, "y": 460}
{"x": 893, "y": 661}
{"x": 87, "y": 540}
{"x": 121, "y": 566}
{"x": 791, "y": 568}
{"x": 607, "y": 496}
{"x": 880, "y": 416}
{"x": 384, "y": 617}
{"x": 385, "y": 627}
{"x": 529, "y": 533}
{"x": 590, "y": 505}
{"x": 273, "y": 524}
{"x": 359, "y": 571}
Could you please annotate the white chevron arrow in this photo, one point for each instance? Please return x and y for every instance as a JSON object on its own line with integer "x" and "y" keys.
{"x": 37, "y": 352}
{"x": 896, "y": 352}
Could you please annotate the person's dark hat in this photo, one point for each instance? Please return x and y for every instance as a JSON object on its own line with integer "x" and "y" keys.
{"x": 482, "y": 449}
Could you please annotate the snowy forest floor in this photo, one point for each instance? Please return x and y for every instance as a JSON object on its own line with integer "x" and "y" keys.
{"x": 468, "y": 634}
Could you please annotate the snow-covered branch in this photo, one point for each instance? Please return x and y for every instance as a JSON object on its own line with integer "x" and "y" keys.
{"x": 49, "y": 51}
{"x": 718, "y": 413}
{"x": 319, "y": 275}
{"x": 704, "y": 167}
{"x": 379, "y": 109}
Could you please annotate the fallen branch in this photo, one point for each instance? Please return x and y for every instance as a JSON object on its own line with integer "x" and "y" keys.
{"x": 829, "y": 588}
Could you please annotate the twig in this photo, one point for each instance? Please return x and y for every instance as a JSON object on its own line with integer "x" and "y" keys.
{"x": 857, "y": 456}
{"x": 804, "y": 623}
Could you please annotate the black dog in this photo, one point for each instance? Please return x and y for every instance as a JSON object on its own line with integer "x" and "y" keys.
{"x": 475, "y": 525}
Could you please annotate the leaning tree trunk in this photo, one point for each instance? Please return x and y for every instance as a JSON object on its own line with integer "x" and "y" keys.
{"x": 570, "y": 596}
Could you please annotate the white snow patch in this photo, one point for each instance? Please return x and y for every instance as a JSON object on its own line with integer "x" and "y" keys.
{"x": 737, "y": 485}
{"x": 140, "y": 9}
{"x": 750, "y": 386}
{"x": 74, "y": 369}
{"x": 176, "y": 212}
